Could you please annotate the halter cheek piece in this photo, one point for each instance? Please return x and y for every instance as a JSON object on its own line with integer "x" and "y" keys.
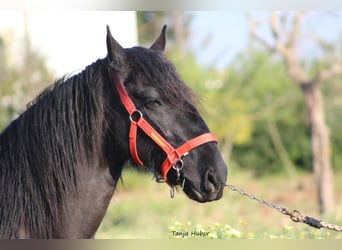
{"x": 173, "y": 156}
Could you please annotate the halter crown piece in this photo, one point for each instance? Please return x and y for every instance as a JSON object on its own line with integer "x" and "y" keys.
{"x": 173, "y": 156}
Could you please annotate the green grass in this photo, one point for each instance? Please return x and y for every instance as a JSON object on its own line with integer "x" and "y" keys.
{"x": 142, "y": 208}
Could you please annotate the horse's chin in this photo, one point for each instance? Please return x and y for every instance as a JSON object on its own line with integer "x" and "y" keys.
{"x": 193, "y": 193}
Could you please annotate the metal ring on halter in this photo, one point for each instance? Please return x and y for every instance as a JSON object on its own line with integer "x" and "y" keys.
{"x": 178, "y": 166}
{"x": 135, "y": 112}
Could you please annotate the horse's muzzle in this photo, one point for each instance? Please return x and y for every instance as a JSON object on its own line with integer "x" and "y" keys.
{"x": 211, "y": 188}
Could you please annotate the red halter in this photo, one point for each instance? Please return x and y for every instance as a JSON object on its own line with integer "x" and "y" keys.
{"x": 173, "y": 156}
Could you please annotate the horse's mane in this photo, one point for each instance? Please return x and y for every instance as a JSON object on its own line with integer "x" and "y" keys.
{"x": 40, "y": 150}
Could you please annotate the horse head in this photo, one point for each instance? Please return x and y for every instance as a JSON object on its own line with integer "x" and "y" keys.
{"x": 160, "y": 99}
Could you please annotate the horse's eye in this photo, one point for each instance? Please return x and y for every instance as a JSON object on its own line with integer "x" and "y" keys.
{"x": 153, "y": 103}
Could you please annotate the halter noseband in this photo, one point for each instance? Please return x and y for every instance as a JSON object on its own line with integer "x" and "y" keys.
{"x": 173, "y": 156}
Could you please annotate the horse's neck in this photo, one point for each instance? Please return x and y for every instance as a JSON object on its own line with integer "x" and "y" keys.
{"x": 95, "y": 188}
{"x": 86, "y": 209}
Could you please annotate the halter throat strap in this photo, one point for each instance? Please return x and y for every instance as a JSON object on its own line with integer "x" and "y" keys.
{"x": 173, "y": 156}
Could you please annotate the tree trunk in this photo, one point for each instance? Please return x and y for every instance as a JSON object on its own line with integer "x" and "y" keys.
{"x": 280, "y": 148}
{"x": 320, "y": 146}
{"x": 320, "y": 143}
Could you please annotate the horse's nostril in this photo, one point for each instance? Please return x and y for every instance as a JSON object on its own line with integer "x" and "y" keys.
{"x": 211, "y": 182}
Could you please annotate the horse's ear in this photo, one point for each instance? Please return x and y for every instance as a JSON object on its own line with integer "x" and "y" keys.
{"x": 116, "y": 54}
{"x": 159, "y": 44}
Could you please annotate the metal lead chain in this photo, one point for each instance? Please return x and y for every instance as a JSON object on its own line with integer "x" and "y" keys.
{"x": 295, "y": 215}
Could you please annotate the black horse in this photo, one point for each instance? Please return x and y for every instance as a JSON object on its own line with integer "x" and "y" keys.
{"x": 61, "y": 159}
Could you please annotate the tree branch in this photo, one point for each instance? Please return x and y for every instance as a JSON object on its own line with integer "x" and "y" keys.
{"x": 292, "y": 39}
{"x": 280, "y": 148}
{"x": 275, "y": 28}
{"x": 288, "y": 50}
{"x": 253, "y": 24}
{"x": 325, "y": 74}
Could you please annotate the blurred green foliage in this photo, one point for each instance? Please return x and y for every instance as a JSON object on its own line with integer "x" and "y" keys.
{"x": 20, "y": 81}
{"x": 241, "y": 101}
{"x": 263, "y": 86}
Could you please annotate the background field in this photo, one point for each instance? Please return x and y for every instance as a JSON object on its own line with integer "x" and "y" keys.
{"x": 142, "y": 208}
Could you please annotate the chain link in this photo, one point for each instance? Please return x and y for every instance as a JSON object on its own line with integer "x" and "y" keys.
{"x": 295, "y": 215}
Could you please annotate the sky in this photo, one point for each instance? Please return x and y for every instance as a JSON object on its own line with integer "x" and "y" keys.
{"x": 229, "y": 34}
{"x": 226, "y": 33}
{"x": 71, "y": 40}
